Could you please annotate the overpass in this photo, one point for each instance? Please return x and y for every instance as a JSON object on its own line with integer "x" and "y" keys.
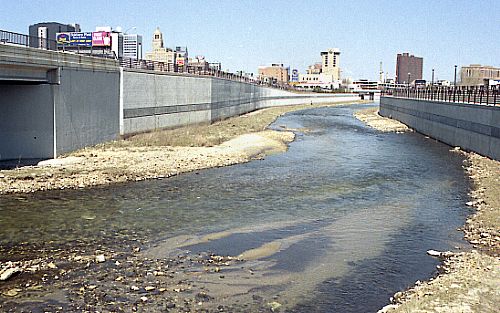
{"x": 47, "y": 101}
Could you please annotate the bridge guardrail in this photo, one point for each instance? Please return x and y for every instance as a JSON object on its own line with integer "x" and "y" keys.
{"x": 460, "y": 94}
{"x": 27, "y": 41}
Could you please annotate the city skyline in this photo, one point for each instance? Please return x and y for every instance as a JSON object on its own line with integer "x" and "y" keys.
{"x": 243, "y": 35}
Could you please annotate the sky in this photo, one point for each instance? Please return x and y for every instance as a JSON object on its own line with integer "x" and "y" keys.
{"x": 243, "y": 35}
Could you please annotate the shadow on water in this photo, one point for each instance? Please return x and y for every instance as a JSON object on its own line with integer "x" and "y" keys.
{"x": 346, "y": 214}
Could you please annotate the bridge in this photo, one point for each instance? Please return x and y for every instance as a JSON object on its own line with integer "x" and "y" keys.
{"x": 46, "y": 100}
{"x": 54, "y": 102}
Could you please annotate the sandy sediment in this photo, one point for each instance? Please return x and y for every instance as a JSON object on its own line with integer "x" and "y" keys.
{"x": 466, "y": 281}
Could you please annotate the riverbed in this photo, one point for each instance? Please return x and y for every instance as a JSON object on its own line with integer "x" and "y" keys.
{"x": 339, "y": 222}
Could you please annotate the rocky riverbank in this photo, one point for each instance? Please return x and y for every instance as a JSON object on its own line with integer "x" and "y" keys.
{"x": 466, "y": 281}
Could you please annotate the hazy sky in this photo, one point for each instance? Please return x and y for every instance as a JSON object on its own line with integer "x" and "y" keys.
{"x": 245, "y": 34}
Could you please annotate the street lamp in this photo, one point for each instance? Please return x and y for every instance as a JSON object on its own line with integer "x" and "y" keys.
{"x": 455, "y": 80}
{"x": 455, "y": 84}
{"x": 432, "y": 82}
{"x": 133, "y": 27}
{"x": 408, "y": 84}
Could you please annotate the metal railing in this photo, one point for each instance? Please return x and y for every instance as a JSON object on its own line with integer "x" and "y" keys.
{"x": 27, "y": 41}
{"x": 460, "y": 94}
{"x": 189, "y": 69}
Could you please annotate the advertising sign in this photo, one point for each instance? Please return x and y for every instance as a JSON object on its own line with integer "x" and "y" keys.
{"x": 74, "y": 39}
{"x": 180, "y": 61}
{"x": 295, "y": 75}
{"x": 101, "y": 39}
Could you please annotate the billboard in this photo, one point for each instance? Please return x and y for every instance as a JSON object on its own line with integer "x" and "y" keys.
{"x": 75, "y": 39}
{"x": 180, "y": 62}
{"x": 101, "y": 39}
{"x": 295, "y": 75}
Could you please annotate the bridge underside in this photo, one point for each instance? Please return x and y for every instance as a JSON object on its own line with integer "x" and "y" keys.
{"x": 27, "y": 121}
{"x": 21, "y": 74}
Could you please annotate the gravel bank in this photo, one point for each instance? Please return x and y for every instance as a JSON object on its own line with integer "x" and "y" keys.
{"x": 373, "y": 119}
{"x": 466, "y": 281}
{"x": 158, "y": 154}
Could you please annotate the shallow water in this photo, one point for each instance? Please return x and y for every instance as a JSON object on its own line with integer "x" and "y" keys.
{"x": 336, "y": 224}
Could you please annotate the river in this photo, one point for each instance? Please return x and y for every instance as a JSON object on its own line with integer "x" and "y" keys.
{"x": 338, "y": 223}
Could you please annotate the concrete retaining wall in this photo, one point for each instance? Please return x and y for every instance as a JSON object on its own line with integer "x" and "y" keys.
{"x": 86, "y": 108}
{"x": 166, "y": 100}
{"x": 471, "y": 127}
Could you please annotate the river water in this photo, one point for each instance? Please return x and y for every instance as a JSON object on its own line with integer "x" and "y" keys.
{"x": 338, "y": 223}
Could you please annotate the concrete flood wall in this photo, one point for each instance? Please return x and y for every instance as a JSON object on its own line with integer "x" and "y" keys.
{"x": 472, "y": 127}
{"x": 86, "y": 108}
{"x": 165, "y": 100}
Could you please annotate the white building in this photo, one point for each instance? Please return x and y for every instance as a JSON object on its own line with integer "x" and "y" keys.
{"x": 322, "y": 81}
{"x": 324, "y": 75}
{"x": 132, "y": 46}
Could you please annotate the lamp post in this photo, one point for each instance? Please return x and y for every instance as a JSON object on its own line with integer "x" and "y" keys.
{"x": 455, "y": 84}
{"x": 455, "y": 79}
{"x": 432, "y": 82}
{"x": 408, "y": 84}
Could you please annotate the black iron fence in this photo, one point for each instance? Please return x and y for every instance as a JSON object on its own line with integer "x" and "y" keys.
{"x": 7, "y": 37}
{"x": 204, "y": 70}
{"x": 461, "y": 94}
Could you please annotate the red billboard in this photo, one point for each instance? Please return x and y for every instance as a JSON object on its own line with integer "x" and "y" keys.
{"x": 101, "y": 39}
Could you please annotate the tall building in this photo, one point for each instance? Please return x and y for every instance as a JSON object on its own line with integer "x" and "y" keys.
{"x": 408, "y": 67}
{"x": 330, "y": 63}
{"x": 160, "y": 53}
{"x": 476, "y": 74}
{"x": 275, "y": 73}
{"x": 47, "y": 30}
{"x": 132, "y": 46}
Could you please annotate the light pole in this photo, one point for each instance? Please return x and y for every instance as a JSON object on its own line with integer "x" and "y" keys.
{"x": 455, "y": 80}
{"x": 455, "y": 84}
{"x": 133, "y": 27}
{"x": 408, "y": 84}
{"x": 432, "y": 82}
